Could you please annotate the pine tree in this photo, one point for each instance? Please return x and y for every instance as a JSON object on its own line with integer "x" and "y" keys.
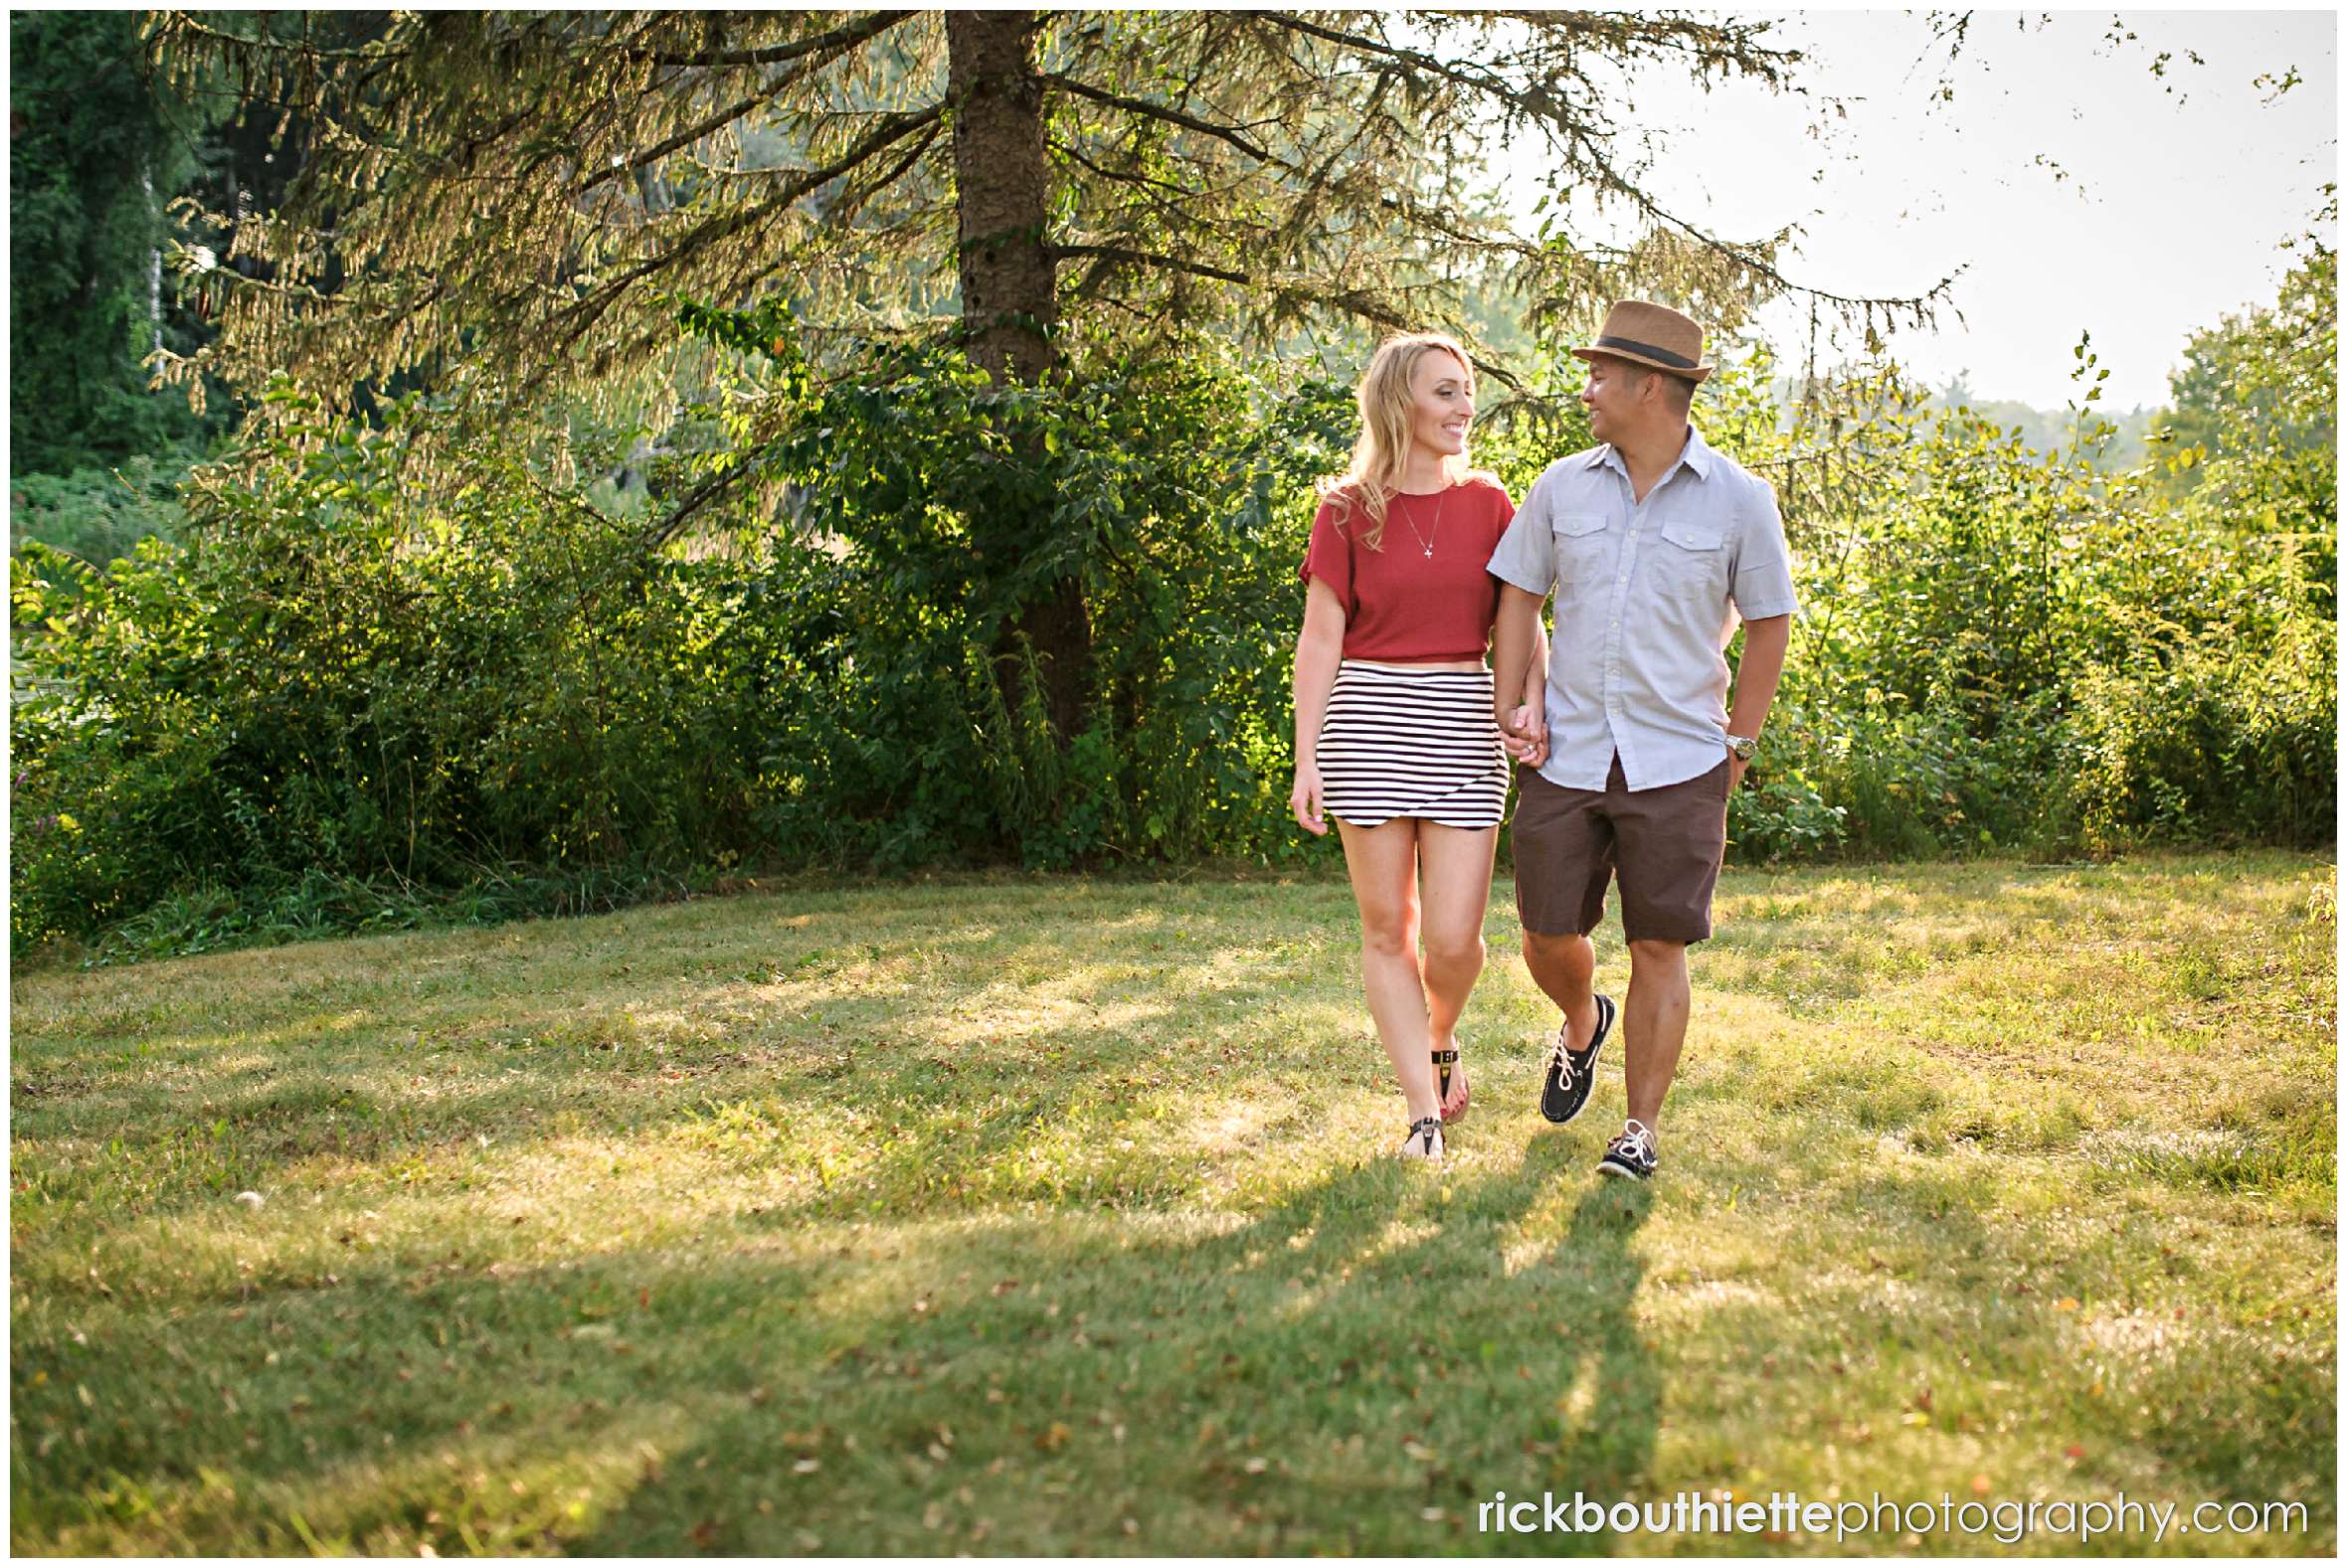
{"x": 511, "y": 202}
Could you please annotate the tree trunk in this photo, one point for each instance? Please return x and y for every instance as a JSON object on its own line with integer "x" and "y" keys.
{"x": 1008, "y": 293}
{"x": 1009, "y": 296}
{"x": 146, "y": 182}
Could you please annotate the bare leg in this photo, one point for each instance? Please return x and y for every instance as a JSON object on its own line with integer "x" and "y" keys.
{"x": 1654, "y": 1023}
{"x": 1383, "y": 862}
{"x": 1455, "y": 887}
{"x": 1565, "y": 967}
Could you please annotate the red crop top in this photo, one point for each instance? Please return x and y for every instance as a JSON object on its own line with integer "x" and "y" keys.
{"x": 1402, "y": 606}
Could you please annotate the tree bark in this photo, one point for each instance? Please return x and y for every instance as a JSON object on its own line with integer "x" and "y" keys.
{"x": 1009, "y": 294}
{"x": 1008, "y": 297}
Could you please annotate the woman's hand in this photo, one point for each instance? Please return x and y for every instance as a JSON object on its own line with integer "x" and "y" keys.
{"x": 1305, "y": 799}
{"x": 1526, "y": 735}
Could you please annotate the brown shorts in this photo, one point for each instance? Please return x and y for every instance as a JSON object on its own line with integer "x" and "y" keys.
{"x": 1666, "y": 843}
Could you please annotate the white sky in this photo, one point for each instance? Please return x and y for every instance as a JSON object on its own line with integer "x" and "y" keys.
{"x": 2171, "y": 213}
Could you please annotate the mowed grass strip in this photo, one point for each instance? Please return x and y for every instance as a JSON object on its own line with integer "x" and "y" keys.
{"x": 1053, "y": 1215}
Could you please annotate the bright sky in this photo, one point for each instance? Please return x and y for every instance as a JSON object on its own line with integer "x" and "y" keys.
{"x": 2168, "y": 210}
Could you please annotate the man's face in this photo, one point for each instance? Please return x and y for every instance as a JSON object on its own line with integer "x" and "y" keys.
{"x": 1612, "y": 396}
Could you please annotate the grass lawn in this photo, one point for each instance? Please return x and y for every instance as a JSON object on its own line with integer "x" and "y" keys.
{"x": 1050, "y": 1215}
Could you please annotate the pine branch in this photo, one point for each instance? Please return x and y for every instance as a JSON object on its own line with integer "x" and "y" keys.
{"x": 1154, "y": 259}
{"x": 1172, "y": 116}
{"x": 683, "y": 138}
{"x": 893, "y": 130}
{"x": 843, "y": 37}
{"x": 185, "y": 21}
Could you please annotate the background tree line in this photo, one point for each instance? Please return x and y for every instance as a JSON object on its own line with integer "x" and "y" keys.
{"x": 675, "y": 444}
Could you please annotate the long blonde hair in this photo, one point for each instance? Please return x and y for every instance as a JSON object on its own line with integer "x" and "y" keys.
{"x": 1374, "y": 476}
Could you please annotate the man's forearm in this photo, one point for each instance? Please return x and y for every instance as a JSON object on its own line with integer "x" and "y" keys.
{"x": 1513, "y": 637}
{"x": 1758, "y": 673}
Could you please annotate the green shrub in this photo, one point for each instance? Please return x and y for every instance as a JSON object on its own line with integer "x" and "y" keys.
{"x": 322, "y": 702}
{"x": 98, "y": 514}
{"x": 2213, "y": 742}
{"x": 328, "y": 679}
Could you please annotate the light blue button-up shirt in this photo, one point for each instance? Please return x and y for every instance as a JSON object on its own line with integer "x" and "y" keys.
{"x": 1648, "y": 593}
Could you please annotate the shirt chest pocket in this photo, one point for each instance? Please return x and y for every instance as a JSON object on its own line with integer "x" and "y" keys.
{"x": 1690, "y": 560}
{"x": 1584, "y": 550}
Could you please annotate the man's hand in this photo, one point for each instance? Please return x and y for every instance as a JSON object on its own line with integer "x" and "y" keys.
{"x": 1736, "y": 767}
{"x": 1525, "y": 735}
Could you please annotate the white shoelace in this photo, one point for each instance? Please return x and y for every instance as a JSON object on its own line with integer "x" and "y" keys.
{"x": 1561, "y": 1063}
{"x": 1636, "y": 1141}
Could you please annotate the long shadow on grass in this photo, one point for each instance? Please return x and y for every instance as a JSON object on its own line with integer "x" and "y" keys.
{"x": 1371, "y": 1344}
{"x": 938, "y": 1097}
{"x": 1379, "y": 1353}
{"x": 1316, "y": 1377}
{"x": 823, "y": 1038}
{"x": 1350, "y": 1372}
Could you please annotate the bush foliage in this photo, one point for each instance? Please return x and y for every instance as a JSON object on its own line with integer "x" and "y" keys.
{"x": 329, "y": 701}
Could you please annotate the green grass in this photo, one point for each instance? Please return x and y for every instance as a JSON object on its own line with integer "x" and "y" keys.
{"x": 1046, "y": 1215}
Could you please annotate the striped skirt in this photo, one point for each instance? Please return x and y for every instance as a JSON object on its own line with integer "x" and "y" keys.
{"x": 1412, "y": 743}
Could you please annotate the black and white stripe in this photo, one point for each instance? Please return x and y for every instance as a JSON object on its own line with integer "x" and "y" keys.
{"x": 1412, "y": 743}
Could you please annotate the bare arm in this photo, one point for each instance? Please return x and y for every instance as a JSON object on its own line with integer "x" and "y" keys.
{"x": 1517, "y": 642}
{"x": 1535, "y": 674}
{"x": 1526, "y": 737}
{"x": 1320, "y": 647}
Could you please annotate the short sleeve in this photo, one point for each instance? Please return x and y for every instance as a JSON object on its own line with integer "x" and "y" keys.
{"x": 1329, "y": 556}
{"x": 1762, "y": 586}
{"x": 1502, "y": 513}
{"x": 1525, "y": 555}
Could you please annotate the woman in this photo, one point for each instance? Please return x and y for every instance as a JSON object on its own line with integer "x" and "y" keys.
{"x": 1393, "y": 707}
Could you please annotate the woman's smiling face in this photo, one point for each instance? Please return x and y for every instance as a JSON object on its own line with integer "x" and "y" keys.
{"x": 1442, "y": 404}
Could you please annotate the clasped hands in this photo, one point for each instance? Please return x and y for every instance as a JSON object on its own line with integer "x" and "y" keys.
{"x": 1525, "y": 733}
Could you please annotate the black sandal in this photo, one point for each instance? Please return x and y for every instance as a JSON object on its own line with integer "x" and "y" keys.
{"x": 1443, "y": 1061}
{"x": 1426, "y": 1134}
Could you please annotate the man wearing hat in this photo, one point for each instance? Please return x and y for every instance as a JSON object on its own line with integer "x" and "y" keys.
{"x": 1653, "y": 545}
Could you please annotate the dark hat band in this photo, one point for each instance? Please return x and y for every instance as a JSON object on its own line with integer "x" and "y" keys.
{"x": 1633, "y": 346}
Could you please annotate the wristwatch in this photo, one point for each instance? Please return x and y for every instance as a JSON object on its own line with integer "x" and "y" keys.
{"x": 1743, "y": 746}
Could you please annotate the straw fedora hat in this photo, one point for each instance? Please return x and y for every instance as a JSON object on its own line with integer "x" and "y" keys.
{"x": 1652, "y": 335}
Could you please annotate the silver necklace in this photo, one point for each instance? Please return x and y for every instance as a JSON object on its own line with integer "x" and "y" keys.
{"x": 1426, "y": 541}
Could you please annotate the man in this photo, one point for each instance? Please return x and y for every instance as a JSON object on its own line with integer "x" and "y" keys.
{"x": 1653, "y": 544}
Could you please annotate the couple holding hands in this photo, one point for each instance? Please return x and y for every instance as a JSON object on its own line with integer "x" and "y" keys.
{"x": 1654, "y": 546}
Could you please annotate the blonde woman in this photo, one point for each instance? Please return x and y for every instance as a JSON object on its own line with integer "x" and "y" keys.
{"x": 1394, "y": 731}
